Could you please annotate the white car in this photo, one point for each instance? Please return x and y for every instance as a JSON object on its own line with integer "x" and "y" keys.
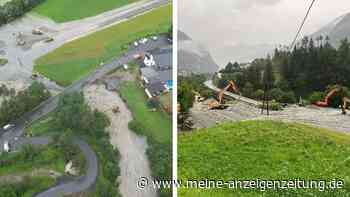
{"x": 6, "y": 147}
{"x": 154, "y": 38}
{"x": 136, "y": 44}
{"x": 8, "y": 126}
{"x": 143, "y": 41}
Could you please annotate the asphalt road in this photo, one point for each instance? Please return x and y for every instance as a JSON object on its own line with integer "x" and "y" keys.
{"x": 84, "y": 182}
{"x": 80, "y": 183}
{"x": 21, "y": 61}
{"x": 50, "y": 104}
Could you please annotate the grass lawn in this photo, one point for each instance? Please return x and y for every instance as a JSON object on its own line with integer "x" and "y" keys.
{"x": 27, "y": 188}
{"x": 266, "y": 150}
{"x": 67, "y": 10}
{"x": 157, "y": 123}
{"x": 78, "y": 58}
{"x": 46, "y": 158}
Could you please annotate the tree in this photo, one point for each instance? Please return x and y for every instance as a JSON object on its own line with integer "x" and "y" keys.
{"x": 18, "y": 104}
{"x": 75, "y": 115}
{"x": 185, "y": 96}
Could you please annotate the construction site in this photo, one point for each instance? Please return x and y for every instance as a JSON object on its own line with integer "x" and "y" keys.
{"x": 230, "y": 106}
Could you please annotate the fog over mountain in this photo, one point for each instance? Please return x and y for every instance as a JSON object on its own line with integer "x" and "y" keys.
{"x": 241, "y": 30}
{"x": 193, "y": 58}
{"x": 337, "y": 30}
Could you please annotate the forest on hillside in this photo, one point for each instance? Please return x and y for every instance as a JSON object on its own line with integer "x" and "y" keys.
{"x": 311, "y": 68}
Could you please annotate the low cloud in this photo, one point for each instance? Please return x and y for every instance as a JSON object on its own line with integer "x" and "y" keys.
{"x": 246, "y": 4}
{"x": 218, "y": 24}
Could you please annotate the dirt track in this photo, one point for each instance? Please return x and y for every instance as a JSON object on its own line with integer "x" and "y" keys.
{"x": 133, "y": 163}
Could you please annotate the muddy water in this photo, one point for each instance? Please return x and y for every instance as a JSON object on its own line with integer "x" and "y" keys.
{"x": 133, "y": 163}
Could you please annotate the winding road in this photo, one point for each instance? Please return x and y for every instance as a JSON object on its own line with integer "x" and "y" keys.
{"x": 82, "y": 183}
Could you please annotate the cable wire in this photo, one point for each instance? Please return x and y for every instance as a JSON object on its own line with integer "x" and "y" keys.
{"x": 302, "y": 24}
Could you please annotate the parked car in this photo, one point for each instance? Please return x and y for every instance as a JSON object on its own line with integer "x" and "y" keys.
{"x": 8, "y": 126}
{"x": 154, "y": 38}
{"x": 136, "y": 44}
{"x": 143, "y": 41}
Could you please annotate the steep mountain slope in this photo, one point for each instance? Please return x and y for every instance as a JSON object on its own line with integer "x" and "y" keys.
{"x": 192, "y": 58}
{"x": 337, "y": 30}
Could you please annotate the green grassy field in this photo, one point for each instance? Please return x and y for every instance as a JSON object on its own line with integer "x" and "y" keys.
{"x": 80, "y": 57}
{"x": 266, "y": 150}
{"x": 157, "y": 123}
{"x": 67, "y": 10}
{"x": 47, "y": 158}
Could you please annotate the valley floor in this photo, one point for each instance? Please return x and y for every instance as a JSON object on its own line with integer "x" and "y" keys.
{"x": 320, "y": 117}
{"x": 133, "y": 163}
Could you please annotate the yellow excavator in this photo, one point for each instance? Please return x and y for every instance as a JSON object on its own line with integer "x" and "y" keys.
{"x": 219, "y": 103}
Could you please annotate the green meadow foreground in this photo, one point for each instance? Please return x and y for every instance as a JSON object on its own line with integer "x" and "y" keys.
{"x": 266, "y": 150}
{"x": 77, "y": 9}
{"x": 76, "y": 59}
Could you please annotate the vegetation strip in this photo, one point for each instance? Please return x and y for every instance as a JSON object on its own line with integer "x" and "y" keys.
{"x": 156, "y": 126}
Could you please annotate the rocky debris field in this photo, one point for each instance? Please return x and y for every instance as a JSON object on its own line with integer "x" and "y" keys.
{"x": 329, "y": 118}
{"x": 134, "y": 163}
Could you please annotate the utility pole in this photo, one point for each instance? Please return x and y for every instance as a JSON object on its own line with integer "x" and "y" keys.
{"x": 265, "y": 100}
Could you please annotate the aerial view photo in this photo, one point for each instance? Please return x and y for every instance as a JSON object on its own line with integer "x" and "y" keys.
{"x": 85, "y": 97}
{"x": 263, "y": 98}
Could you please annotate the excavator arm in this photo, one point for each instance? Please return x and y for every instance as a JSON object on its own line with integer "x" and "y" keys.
{"x": 231, "y": 85}
{"x": 325, "y": 102}
{"x": 219, "y": 102}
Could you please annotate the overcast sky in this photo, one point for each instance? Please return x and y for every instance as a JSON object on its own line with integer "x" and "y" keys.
{"x": 215, "y": 23}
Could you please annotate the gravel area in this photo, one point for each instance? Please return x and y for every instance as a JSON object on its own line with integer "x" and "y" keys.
{"x": 134, "y": 163}
{"x": 329, "y": 118}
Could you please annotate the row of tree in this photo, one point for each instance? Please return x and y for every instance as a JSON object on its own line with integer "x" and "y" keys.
{"x": 74, "y": 114}
{"x": 16, "y": 8}
{"x": 15, "y": 105}
{"x": 311, "y": 66}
